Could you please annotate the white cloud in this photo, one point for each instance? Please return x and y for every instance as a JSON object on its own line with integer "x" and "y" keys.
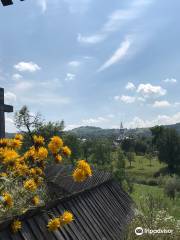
{"x": 149, "y": 90}
{"x": 92, "y": 121}
{"x": 88, "y": 57}
{"x": 176, "y": 104}
{"x": 43, "y": 5}
{"x": 72, "y": 126}
{"x": 78, "y": 6}
{"x": 161, "y": 104}
{"x": 141, "y": 99}
{"x": 10, "y": 127}
{"x": 27, "y": 67}
{"x": 10, "y": 97}
{"x": 110, "y": 115}
{"x": 51, "y": 84}
{"x": 130, "y": 86}
{"x": 125, "y": 99}
{"x": 170, "y": 80}
{"x": 44, "y": 99}
{"x": 70, "y": 77}
{"x": 119, "y": 54}
{"x": 17, "y": 76}
{"x": 93, "y": 39}
{"x": 74, "y": 63}
{"x": 117, "y": 98}
{"x": 23, "y": 85}
{"x": 159, "y": 120}
{"x": 116, "y": 19}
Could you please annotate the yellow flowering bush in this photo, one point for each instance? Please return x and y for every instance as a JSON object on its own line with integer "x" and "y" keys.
{"x": 54, "y": 224}
{"x": 16, "y": 226}
{"x": 60, "y": 221}
{"x": 36, "y": 200}
{"x": 7, "y": 200}
{"x": 22, "y": 176}
{"x": 82, "y": 171}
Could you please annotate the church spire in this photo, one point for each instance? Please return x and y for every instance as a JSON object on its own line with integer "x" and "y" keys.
{"x": 121, "y": 136}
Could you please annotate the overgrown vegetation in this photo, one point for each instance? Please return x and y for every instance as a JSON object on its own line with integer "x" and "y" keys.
{"x": 22, "y": 171}
{"x": 152, "y": 215}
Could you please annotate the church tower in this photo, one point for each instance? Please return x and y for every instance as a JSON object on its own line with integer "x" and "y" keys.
{"x": 121, "y": 136}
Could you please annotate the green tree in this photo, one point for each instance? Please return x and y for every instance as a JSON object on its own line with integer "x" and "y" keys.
{"x": 149, "y": 156}
{"x": 128, "y": 145}
{"x": 75, "y": 145}
{"x": 167, "y": 142}
{"x": 86, "y": 146}
{"x": 101, "y": 149}
{"x": 32, "y": 124}
{"x": 50, "y": 129}
{"x": 130, "y": 157}
{"x": 26, "y": 122}
{"x": 141, "y": 147}
{"x": 118, "y": 165}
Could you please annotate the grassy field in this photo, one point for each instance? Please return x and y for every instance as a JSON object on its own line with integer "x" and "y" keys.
{"x": 141, "y": 167}
{"x": 141, "y": 170}
{"x": 173, "y": 206}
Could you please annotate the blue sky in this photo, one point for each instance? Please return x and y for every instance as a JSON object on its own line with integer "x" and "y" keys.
{"x": 92, "y": 62}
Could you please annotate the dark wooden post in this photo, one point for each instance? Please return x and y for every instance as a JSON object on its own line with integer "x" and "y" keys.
{"x": 3, "y": 108}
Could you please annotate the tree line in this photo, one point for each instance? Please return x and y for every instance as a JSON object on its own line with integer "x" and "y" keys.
{"x": 102, "y": 152}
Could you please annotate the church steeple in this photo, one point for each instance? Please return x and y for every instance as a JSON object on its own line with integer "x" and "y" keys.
{"x": 121, "y": 136}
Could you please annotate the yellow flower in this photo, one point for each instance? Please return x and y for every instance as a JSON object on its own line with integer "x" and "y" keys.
{"x": 35, "y": 171}
{"x": 3, "y": 174}
{"x": 30, "y": 185}
{"x": 79, "y": 175}
{"x": 9, "y": 156}
{"x": 36, "y": 200}
{"x": 66, "y": 218}
{"x": 20, "y": 169}
{"x": 55, "y": 144}
{"x": 38, "y": 140}
{"x": 38, "y": 180}
{"x": 7, "y": 199}
{"x": 42, "y": 153}
{"x": 3, "y": 142}
{"x": 32, "y": 171}
{"x": 19, "y": 137}
{"x": 82, "y": 164}
{"x": 39, "y": 171}
{"x": 54, "y": 224}
{"x": 15, "y": 144}
{"x": 82, "y": 171}
{"x": 16, "y": 226}
{"x": 66, "y": 151}
{"x": 30, "y": 153}
{"x": 58, "y": 158}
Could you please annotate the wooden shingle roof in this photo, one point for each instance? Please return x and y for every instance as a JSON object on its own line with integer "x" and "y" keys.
{"x": 101, "y": 211}
{"x": 61, "y": 183}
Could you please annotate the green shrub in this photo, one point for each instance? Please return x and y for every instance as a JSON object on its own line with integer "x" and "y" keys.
{"x": 148, "y": 181}
{"x": 172, "y": 186}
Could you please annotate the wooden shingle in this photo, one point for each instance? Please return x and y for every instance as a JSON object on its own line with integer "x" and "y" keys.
{"x": 100, "y": 207}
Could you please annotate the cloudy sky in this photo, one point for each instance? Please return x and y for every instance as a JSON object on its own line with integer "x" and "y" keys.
{"x": 92, "y": 62}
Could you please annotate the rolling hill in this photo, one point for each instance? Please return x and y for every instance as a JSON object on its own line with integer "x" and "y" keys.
{"x": 91, "y": 132}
